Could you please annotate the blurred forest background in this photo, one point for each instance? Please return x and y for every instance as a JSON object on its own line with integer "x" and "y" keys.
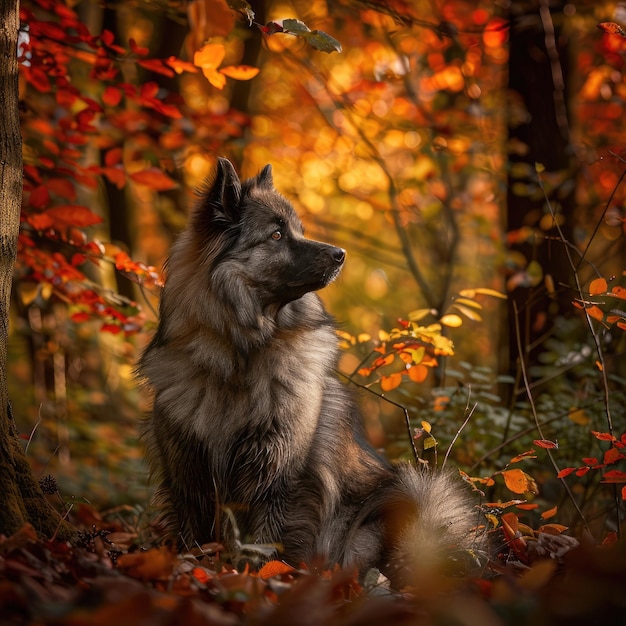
{"x": 469, "y": 156}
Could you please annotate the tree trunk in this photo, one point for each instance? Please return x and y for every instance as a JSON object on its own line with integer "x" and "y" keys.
{"x": 542, "y": 87}
{"x": 22, "y": 500}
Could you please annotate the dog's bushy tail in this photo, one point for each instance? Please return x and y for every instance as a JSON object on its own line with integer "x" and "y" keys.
{"x": 440, "y": 530}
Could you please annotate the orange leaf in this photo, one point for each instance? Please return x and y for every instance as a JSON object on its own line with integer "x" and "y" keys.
{"x": 549, "y": 513}
{"x": 518, "y": 481}
{"x": 595, "y": 312}
{"x": 275, "y": 568}
{"x": 180, "y": 66}
{"x": 150, "y": 565}
{"x": 598, "y": 285}
{"x": 418, "y": 373}
{"x": 612, "y": 28}
{"x": 624, "y": 492}
{"x": 529, "y": 454}
{"x": 240, "y": 72}
{"x": 201, "y": 575}
{"x": 217, "y": 79}
{"x": 155, "y": 179}
{"x": 210, "y": 55}
{"x": 619, "y": 292}
{"x": 387, "y": 383}
{"x": 552, "y": 529}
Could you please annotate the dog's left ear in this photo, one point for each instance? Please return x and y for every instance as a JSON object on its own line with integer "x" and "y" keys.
{"x": 264, "y": 178}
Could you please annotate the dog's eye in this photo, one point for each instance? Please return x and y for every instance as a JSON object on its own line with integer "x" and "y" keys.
{"x": 277, "y": 235}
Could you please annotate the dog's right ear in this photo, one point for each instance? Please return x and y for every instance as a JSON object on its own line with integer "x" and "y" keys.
{"x": 220, "y": 200}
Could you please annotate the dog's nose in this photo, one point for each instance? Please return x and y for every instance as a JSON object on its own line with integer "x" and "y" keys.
{"x": 339, "y": 255}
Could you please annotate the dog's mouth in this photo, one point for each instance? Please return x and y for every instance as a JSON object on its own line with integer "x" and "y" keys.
{"x": 318, "y": 282}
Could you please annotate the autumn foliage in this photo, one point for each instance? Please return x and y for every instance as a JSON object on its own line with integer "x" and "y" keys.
{"x": 487, "y": 339}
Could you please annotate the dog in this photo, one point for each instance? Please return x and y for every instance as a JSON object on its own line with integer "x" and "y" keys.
{"x": 251, "y": 431}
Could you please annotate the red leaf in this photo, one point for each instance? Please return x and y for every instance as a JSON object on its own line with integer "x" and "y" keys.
{"x": 114, "y": 329}
{"x": 602, "y": 436}
{"x": 545, "y": 443}
{"x": 73, "y": 215}
{"x": 113, "y": 157}
{"x": 40, "y": 222}
{"x": 112, "y": 96}
{"x": 590, "y": 460}
{"x": 139, "y": 51}
{"x": 82, "y": 316}
{"x": 612, "y": 455}
{"x": 157, "y": 66}
{"x": 566, "y": 472}
{"x": 62, "y": 187}
{"x": 155, "y": 179}
{"x": 39, "y": 197}
{"x": 614, "y": 476}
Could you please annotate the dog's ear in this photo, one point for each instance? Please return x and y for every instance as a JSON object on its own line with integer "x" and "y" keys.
{"x": 221, "y": 199}
{"x": 264, "y": 178}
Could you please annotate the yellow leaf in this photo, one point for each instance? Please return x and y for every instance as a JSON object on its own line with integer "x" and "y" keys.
{"x": 240, "y": 72}
{"x": 209, "y": 56}
{"x": 468, "y": 302}
{"x": 451, "y": 320}
{"x": 578, "y": 416}
{"x": 419, "y": 314}
{"x": 426, "y": 426}
{"x": 485, "y": 291}
{"x": 598, "y": 285}
{"x": 472, "y": 315}
{"x": 430, "y": 442}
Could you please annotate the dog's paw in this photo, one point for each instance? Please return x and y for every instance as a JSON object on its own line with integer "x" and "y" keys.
{"x": 253, "y": 556}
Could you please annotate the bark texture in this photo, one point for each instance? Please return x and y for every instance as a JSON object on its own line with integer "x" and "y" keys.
{"x": 21, "y": 498}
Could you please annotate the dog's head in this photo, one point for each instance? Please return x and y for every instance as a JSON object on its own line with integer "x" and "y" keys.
{"x": 249, "y": 235}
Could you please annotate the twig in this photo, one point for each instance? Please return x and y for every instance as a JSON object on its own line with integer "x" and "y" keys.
{"x": 382, "y": 396}
{"x": 536, "y": 417}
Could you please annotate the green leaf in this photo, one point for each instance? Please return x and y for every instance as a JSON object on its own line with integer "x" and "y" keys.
{"x": 295, "y": 27}
{"x": 317, "y": 39}
{"x": 322, "y": 41}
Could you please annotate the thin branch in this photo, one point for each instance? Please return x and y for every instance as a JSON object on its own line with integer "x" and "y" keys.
{"x": 382, "y": 396}
{"x": 531, "y": 400}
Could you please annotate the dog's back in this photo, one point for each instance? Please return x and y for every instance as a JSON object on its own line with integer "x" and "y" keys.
{"x": 248, "y": 414}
